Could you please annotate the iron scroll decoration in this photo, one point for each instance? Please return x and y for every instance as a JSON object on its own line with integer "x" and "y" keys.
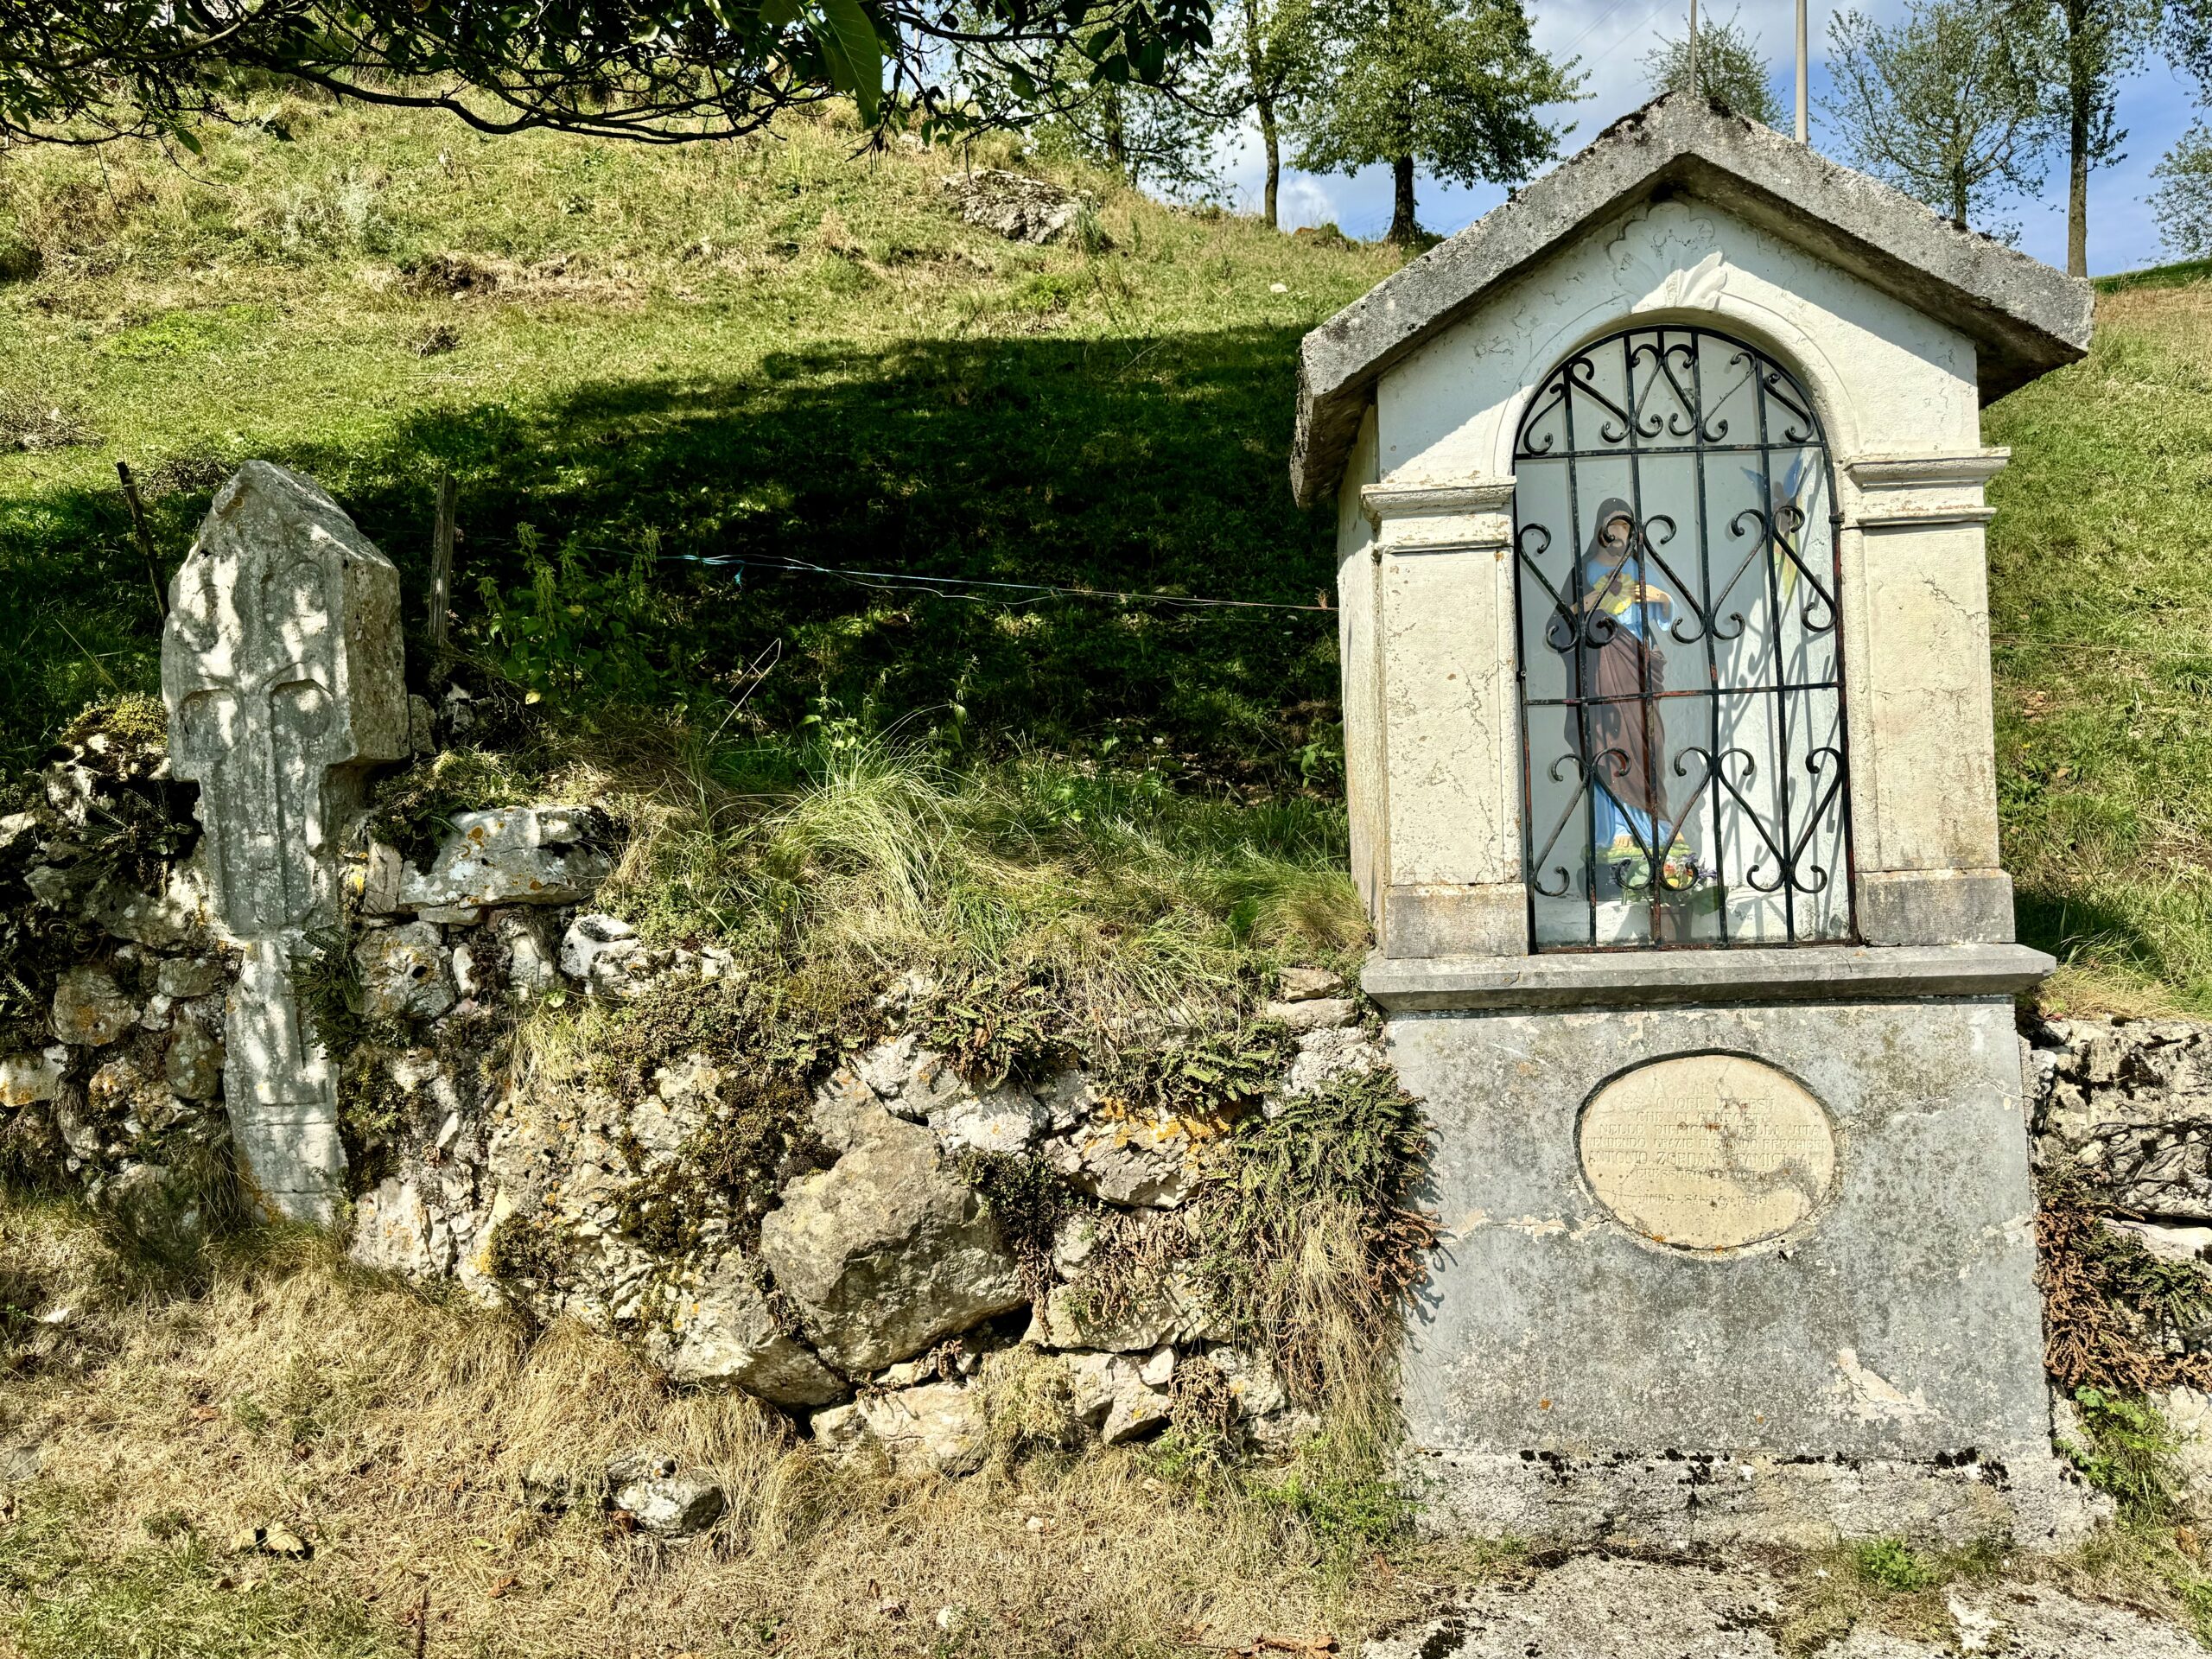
{"x": 1680, "y": 660}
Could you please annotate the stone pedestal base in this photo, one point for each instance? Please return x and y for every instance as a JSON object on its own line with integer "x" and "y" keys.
{"x": 1781, "y": 1282}
{"x": 2025, "y": 1496}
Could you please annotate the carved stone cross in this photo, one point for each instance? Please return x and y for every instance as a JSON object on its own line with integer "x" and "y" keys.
{"x": 283, "y": 671}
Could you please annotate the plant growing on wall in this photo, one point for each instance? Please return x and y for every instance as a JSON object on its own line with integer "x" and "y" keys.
{"x": 1453, "y": 86}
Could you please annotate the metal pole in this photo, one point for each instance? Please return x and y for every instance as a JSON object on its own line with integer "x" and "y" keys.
{"x": 1692, "y": 48}
{"x": 1804, "y": 123}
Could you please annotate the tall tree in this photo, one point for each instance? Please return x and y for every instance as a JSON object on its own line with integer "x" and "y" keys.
{"x": 2094, "y": 43}
{"x": 663, "y": 71}
{"x": 1950, "y": 103}
{"x": 2183, "y": 201}
{"x": 1161, "y": 137}
{"x": 1455, "y": 84}
{"x": 1264, "y": 62}
{"x": 1730, "y": 69}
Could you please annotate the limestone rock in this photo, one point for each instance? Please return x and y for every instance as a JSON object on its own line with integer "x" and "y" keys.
{"x": 2127, "y": 1107}
{"x": 158, "y": 921}
{"x": 887, "y": 1251}
{"x": 192, "y": 1064}
{"x": 934, "y": 1428}
{"x": 1326, "y": 1055}
{"x": 1168, "y": 1310}
{"x": 2168, "y": 1241}
{"x": 533, "y": 952}
{"x": 660, "y": 1496}
{"x": 516, "y": 855}
{"x": 403, "y": 973}
{"x": 395, "y": 1232}
{"x": 1006, "y": 1119}
{"x": 154, "y": 1206}
{"x": 1252, "y": 1381}
{"x": 601, "y": 950}
{"x": 716, "y": 1327}
{"x": 1315, "y": 1013}
{"x": 184, "y": 977}
{"x": 1147, "y": 1159}
{"x": 1122, "y": 1398}
{"x": 1010, "y": 204}
{"x": 27, "y": 1079}
{"x": 1304, "y": 984}
{"x": 89, "y": 1010}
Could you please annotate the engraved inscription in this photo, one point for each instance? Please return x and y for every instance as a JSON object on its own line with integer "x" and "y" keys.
{"x": 1708, "y": 1151}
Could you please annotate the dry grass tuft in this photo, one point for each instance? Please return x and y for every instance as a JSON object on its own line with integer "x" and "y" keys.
{"x": 394, "y": 1433}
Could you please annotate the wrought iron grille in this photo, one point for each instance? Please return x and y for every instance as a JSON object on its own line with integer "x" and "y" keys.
{"x": 1681, "y": 663}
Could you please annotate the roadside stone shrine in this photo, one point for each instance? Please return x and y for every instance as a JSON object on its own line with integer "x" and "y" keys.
{"x": 1667, "y": 720}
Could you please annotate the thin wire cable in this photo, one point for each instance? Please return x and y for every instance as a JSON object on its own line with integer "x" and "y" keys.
{"x": 951, "y": 587}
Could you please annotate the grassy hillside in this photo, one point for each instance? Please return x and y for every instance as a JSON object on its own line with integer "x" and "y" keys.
{"x": 2102, "y": 618}
{"x": 778, "y": 350}
{"x": 787, "y": 352}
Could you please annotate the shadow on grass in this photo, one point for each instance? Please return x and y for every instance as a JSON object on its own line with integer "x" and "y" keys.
{"x": 1150, "y": 464}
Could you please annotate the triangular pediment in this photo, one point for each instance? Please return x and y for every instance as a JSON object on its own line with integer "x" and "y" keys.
{"x": 2024, "y": 317}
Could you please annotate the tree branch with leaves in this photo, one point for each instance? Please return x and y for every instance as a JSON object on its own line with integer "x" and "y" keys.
{"x": 1948, "y": 103}
{"x": 655, "y": 71}
{"x": 1457, "y": 85}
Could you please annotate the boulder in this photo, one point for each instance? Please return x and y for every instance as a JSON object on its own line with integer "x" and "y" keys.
{"x": 394, "y": 1230}
{"x": 1010, "y": 204}
{"x": 934, "y": 1428}
{"x": 89, "y": 1009}
{"x": 192, "y": 1064}
{"x": 888, "y": 1250}
{"x": 660, "y": 1496}
{"x": 516, "y": 855}
{"x": 716, "y": 1326}
{"x": 403, "y": 974}
{"x": 27, "y": 1079}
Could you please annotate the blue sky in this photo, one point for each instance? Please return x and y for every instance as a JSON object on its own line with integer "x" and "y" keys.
{"x": 1612, "y": 37}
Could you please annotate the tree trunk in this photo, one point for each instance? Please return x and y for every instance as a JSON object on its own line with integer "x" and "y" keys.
{"x": 2079, "y": 92}
{"x": 1271, "y": 141}
{"x": 1263, "y": 105}
{"x": 2077, "y": 191}
{"x": 1404, "y": 228}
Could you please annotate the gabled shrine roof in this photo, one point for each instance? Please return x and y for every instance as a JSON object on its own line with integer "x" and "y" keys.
{"x": 2024, "y": 317}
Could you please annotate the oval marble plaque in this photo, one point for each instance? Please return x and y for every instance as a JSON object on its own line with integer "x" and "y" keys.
{"x": 1708, "y": 1151}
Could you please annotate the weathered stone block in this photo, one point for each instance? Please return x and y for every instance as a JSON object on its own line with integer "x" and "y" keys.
{"x": 89, "y": 1010}
{"x": 888, "y": 1250}
{"x": 515, "y": 856}
{"x": 1890, "y": 1314}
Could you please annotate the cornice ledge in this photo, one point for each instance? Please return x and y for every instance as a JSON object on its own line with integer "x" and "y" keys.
{"x": 1907, "y": 472}
{"x": 1382, "y": 501}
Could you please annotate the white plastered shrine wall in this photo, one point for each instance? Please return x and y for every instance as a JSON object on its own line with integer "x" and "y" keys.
{"x": 1426, "y": 578}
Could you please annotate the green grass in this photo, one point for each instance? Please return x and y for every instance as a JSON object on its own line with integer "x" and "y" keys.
{"x": 2103, "y": 622}
{"x": 177, "y": 1596}
{"x": 775, "y": 349}
{"x": 781, "y": 352}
